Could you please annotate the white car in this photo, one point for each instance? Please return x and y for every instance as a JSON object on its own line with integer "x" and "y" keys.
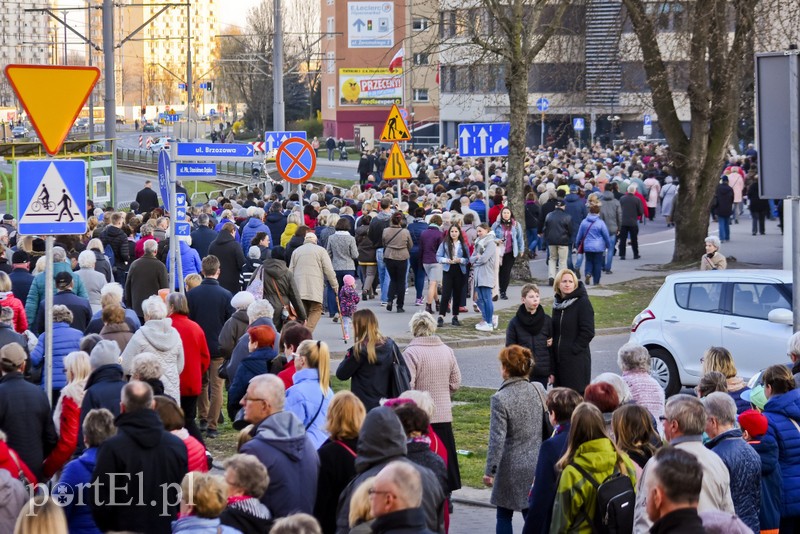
{"x": 749, "y": 312}
{"x": 159, "y": 144}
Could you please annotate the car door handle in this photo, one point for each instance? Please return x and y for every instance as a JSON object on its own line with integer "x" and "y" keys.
{"x": 672, "y": 319}
{"x": 732, "y": 326}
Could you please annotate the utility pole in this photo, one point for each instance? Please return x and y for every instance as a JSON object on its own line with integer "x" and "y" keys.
{"x": 189, "y": 102}
{"x": 110, "y": 86}
{"x": 278, "y": 117}
{"x": 91, "y": 94}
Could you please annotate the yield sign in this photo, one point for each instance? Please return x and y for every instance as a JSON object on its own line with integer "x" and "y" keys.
{"x": 395, "y": 128}
{"x": 396, "y": 165}
{"x": 52, "y": 96}
{"x": 296, "y": 160}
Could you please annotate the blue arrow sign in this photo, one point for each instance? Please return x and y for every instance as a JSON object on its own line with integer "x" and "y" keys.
{"x": 647, "y": 120}
{"x": 542, "y": 104}
{"x": 272, "y": 140}
{"x": 51, "y": 197}
{"x": 195, "y": 171}
{"x": 182, "y": 86}
{"x": 359, "y": 24}
{"x": 214, "y": 152}
{"x": 578, "y": 124}
{"x": 163, "y": 177}
{"x": 483, "y": 139}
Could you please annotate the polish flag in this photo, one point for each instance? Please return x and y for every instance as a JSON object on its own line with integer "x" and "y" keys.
{"x": 397, "y": 60}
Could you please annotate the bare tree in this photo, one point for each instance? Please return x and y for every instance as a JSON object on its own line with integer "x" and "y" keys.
{"x": 303, "y": 45}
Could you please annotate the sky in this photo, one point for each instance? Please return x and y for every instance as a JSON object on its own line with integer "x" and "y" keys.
{"x": 235, "y": 11}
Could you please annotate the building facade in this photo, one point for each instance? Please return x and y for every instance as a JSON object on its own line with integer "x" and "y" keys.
{"x": 25, "y": 37}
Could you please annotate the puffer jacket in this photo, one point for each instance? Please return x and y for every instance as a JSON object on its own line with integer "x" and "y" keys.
{"x": 36, "y": 293}
{"x": 780, "y": 411}
{"x": 276, "y": 221}
{"x": 250, "y": 230}
{"x": 517, "y": 243}
{"x": 67, "y": 418}
{"x": 306, "y": 401}
{"x": 159, "y": 337}
{"x": 769, "y": 516}
{"x": 611, "y": 212}
{"x": 234, "y": 328}
{"x": 78, "y": 474}
{"x": 532, "y": 330}
{"x": 190, "y": 261}
{"x": 288, "y": 233}
{"x": 575, "y": 507}
{"x": 256, "y": 363}
{"x": 594, "y": 234}
{"x": 65, "y": 340}
{"x": 744, "y": 466}
{"x": 8, "y": 300}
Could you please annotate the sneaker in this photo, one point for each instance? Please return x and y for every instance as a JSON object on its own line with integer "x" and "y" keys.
{"x": 440, "y": 321}
{"x": 550, "y": 281}
{"x": 400, "y": 309}
{"x": 503, "y": 296}
{"x": 495, "y": 321}
{"x": 609, "y": 272}
{"x": 383, "y": 304}
{"x": 455, "y": 322}
{"x": 346, "y": 338}
{"x": 388, "y": 306}
{"x": 336, "y": 318}
{"x": 211, "y": 433}
{"x": 419, "y": 302}
{"x": 484, "y": 327}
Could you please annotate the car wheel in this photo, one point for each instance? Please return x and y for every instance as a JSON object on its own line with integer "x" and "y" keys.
{"x": 664, "y": 370}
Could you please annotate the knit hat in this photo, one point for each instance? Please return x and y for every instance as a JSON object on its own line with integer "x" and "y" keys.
{"x": 754, "y": 422}
{"x": 105, "y": 352}
{"x": 310, "y": 238}
{"x": 20, "y": 256}
{"x": 349, "y": 280}
{"x": 755, "y": 396}
{"x": 242, "y": 300}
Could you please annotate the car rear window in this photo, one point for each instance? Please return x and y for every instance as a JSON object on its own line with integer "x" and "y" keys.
{"x": 699, "y": 296}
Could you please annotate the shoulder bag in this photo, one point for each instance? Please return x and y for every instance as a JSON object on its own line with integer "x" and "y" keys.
{"x": 289, "y": 313}
{"x": 580, "y": 245}
{"x": 400, "y": 378}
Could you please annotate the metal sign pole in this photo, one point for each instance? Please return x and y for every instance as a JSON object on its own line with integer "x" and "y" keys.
{"x": 48, "y": 319}
{"x": 173, "y": 209}
{"x": 486, "y": 186}
{"x": 794, "y": 114}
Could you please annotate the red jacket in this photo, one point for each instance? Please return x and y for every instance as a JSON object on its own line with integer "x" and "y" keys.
{"x": 196, "y": 357}
{"x": 20, "y": 319}
{"x": 197, "y": 454}
{"x": 8, "y": 463}
{"x": 67, "y": 441}
{"x": 494, "y": 212}
{"x": 138, "y": 248}
{"x": 287, "y": 375}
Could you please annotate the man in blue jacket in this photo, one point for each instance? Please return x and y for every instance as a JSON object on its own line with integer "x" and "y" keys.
{"x": 576, "y": 208}
{"x": 203, "y": 236}
{"x": 254, "y": 225}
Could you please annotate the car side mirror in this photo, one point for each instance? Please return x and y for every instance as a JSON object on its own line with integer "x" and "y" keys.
{"x": 781, "y": 316}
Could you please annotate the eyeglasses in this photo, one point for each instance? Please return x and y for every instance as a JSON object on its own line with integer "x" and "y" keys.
{"x": 663, "y": 418}
{"x": 373, "y": 491}
{"x": 251, "y": 399}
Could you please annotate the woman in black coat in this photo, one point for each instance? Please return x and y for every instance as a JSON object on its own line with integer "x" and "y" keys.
{"x": 573, "y": 330}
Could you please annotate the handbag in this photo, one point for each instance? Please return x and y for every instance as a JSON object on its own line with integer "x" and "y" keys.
{"x": 547, "y": 427}
{"x": 256, "y": 285}
{"x": 400, "y": 378}
{"x": 580, "y": 245}
{"x": 20, "y": 473}
{"x": 289, "y": 313}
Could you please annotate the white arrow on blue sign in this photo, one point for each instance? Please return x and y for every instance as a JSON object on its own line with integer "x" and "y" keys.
{"x": 213, "y": 152}
{"x": 483, "y": 139}
{"x": 51, "y": 197}
{"x": 542, "y": 104}
{"x": 195, "y": 171}
{"x": 272, "y": 140}
{"x": 163, "y": 177}
{"x": 578, "y": 124}
{"x": 647, "y": 120}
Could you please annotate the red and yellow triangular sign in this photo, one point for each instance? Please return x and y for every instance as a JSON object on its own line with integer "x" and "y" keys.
{"x": 396, "y": 165}
{"x": 52, "y": 96}
{"x": 395, "y": 128}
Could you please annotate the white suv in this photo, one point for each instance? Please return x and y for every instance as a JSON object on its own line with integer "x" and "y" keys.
{"x": 746, "y": 311}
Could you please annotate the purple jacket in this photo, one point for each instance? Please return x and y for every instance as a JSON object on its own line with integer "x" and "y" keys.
{"x": 429, "y": 242}
{"x": 348, "y": 300}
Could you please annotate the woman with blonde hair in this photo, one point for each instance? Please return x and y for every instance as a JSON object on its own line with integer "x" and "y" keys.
{"x": 203, "y": 498}
{"x": 720, "y": 359}
{"x": 293, "y": 221}
{"x": 369, "y": 361}
{"x": 102, "y": 265}
{"x": 41, "y": 518}
{"x": 67, "y": 415}
{"x": 590, "y": 458}
{"x": 360, "y": 515}
{"x": 337, "y": 455}
{"x": 573, "y": 330}
{"x": 311, "y": 393}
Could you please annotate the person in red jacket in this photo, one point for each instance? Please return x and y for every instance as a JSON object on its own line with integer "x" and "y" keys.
{"x": 67, "y": 415}
{"x": 196, "y": 359}
{"x": 496, "y": 209}
{"x": 291, "y": 339}
{"x": 7, "y": 299}
{"x": 11, "y": 462}
{"x": 172, "y": 416}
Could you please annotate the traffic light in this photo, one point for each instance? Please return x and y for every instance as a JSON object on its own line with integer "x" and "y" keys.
{"x": 208, "y": 86}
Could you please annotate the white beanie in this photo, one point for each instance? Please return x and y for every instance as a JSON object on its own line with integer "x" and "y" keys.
{"x": 105, "y": 352}
{"x": 242, "y": 300}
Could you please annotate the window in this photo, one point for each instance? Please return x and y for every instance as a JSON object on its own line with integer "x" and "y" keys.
{"x": 330, "y": 62}
{"x": 757, "y": 300}
{"x": 419, "y": 23}
{"x": 421, "y": 59}
{"x": 331, "y": 97}
{"x": 420, "y": 95}
{"x": 699, "y": 296}
{"x": 329, "y": 2}
{"x": 331, "y": 28}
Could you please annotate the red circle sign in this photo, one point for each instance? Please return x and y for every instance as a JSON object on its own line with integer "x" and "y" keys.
{"x": 296, "y": 160}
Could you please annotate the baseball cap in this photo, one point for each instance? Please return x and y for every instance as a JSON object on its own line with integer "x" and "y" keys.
{"x": 20, "y": 256}
{"x": 754, "y": 422}
{"x": 13, "y": 353}
{"x": 755, "y": 396}
{"x": 63, "y": 278}
{"x": 560, "y": 203}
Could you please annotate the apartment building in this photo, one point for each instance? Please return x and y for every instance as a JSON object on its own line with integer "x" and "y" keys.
{"x": 25, "y": 37}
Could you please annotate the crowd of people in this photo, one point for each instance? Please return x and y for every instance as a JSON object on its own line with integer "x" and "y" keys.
{"x": 144, "y": 374}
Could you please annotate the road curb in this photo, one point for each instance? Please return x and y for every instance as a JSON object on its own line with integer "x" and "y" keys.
{"x": 471, "y": 502}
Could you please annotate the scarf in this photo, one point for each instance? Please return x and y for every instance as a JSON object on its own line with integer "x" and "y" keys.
{"x": 482, "y": 242}
{"x": 533, "y": 322}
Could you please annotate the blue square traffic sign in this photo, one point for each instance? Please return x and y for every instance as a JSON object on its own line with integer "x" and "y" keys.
{"x": 272, "y": 140}
{"x": 51, "y": 197}
{"x": 483, "y": 139}
{"x": 578, "y": 124}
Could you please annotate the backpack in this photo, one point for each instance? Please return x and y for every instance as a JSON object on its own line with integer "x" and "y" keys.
{"x": 615, "y": 500}
{"x": 109, "y": 253}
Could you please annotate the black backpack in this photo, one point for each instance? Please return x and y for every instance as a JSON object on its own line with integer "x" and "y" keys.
{"x": 615, "y": 500}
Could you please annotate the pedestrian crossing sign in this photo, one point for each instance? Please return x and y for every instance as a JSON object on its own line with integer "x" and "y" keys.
{"x": 395, "y": 128}
{"x": 396, "y": 165}
{"x": 51, "y": 196}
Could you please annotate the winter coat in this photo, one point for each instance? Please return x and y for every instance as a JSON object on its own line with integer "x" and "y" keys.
{"x": 190, "y": 262}
{"x": 515, "y": 435}
{"x": 116, "y": 239}
{"x": 769, "y": 516}
{"x": 195, "y": 451}
{"x": 276, "y": 221}
{"x": 575, "y": 507}
{"x": 646, "y": 392}
{"x": 348, "y": 300}
{"x": 102, "y": 391}
{"x": 420, "y": 452}
{"x": 159, "y": 337}
{"x": 680, "y": 521}
{"x": 484, "y": 261}
{"x": 532, "y": 330}
{"x": 195, "y": 354}
{"x": 558, "y": 227}
{"x": 324, "y": 233}
{"x": 532, "y": 214}
{"x": 429, "y": 242}
{"x": 668, "y": 194}
{"x": 250, "y": 230}
{"x": 755, "y": 203}
{"x": 65, "y": 340}
{"x": 336, "y": 469}
{"x": 7, "y": 299}
{"x": 147, "y": 199}
{"x": 382, "y": 441}
{"x": 202, "y": 239}
{"x": 288, "y": 233}
{"x": 96, "y": 324}
{"x": 146, "y": 277}
{"x": 594, "y": 234}
{"x": 653, "y": 191}
{"x": 611, "y": 212}
{"x": 517, "y": 242}
{"x": 434, "y": 368}
{"x": 717, "y": 262}
{"x": 370, "y": 381}
{"x": 256, "y": 363}
{"x": 306, "y": 401}
{"x": 200, "y": 525}
{"x": 310, "y": 266}
{"x": 94, "y": 282}
{"x": 234, "y": 328}
{"x": 342, "y": 249}
{"x": 13, "y": 498}
{"x": 138, "y": 248}
{"x": 479, "y": 207}
{"x": 80, "y": 308}
{"x": 67, "y": 418}
{"x": 248, "y": 516}
{"x": 21, "y": 281}
{"x": 36, "y": 293}
{"x": 141, "y": 445}
{"x": 744, "y": 466}
{"x": 282, "y": 445}
{"x": 631, "y": 208}
{"x": 781, "y": 411}
{"x": 545, "y": 486}
{"x": 25, "y": 418}
{"x": 231, "y": 260}
{"x": 366, "y": 249}
{"x": 397, "y": 243}
{"x": 723, "y": 199}
{"x": 242, "y": 350}
{"x": 573, "y": 330}
{"x": 76, "y": 509}
{"x": 119, "y": 332}
{"x": 575, "y": 206}
{"x": 376, "y": 227}
{"x": 210, "y": 306}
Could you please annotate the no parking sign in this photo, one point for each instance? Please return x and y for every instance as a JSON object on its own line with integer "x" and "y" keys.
{"x": 296, "y": 160}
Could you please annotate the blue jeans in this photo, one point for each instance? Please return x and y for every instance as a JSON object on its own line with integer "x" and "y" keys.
{"x": 594, "y": 265}
{"x": 610, "y": 252}
{"x": 383, "y": 275}
{"x": 485, "y": 303}
{"x": 504, "y": 516}
{"x": 419, "y": 274}
{"x": 724, "y": 228}
{"x": 533, "y": 239}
